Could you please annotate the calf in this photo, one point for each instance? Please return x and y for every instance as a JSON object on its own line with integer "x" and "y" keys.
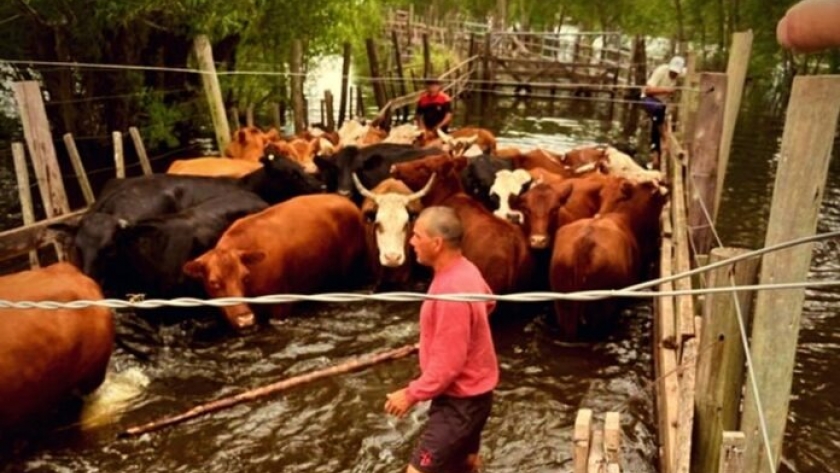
{"x": 47, "y": 355}
{"x": 389, "y": 211}
{"x": 495, "y": 246}
{"x": 307, "y": 244}
{"x": 604, "y": 252}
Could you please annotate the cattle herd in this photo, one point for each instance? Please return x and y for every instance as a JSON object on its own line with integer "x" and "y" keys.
{"x": 324, "y": 211}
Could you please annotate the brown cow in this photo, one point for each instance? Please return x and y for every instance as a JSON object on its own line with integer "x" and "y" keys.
{"x": 47, "y": 355}
{"x": 546, "y": 207}
{"x": 213, "y": 167}
{"x": 604, "y": 252}
{"x": 249, "y": 142}
{"x": 497, "y": 247}
{"x": 540, "y": 158}
{"x": 305, "y": 244}
{"x": 389, "y": 211}
{"x": 507, "y": 152}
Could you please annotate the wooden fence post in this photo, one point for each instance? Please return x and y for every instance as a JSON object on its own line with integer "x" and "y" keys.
{"x": 234, "y": 118}
{"x": 689, "y": 99}
{"x": 249, "y": 115}
{"x": 274, "y": 109}
{"x": 703, "y": 164}
{"x": 204, "y": 55}
{"x": 736, "y": 73}
{"x": 119, "y": 157}
{"x": 720, "y": 367}
{"x": 378, "y": 89}
{"x": 345, "y": 78}
{"x": 581, "y": 439}
{"x": 25, "y": 194}
{"x": 36, "y": 130}
{"x": 298, "y": 106}
{"x": 731, "y": 452}
{"x": 400, "y": 76}
{"x": 807, "y": 141}
{"x": 141, "y": 150}
{"x": 79, "y": 168}
{"x": 427, "y": 60}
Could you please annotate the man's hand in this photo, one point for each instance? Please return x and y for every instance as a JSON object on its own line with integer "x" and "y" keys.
{"x": 398, "y": 403}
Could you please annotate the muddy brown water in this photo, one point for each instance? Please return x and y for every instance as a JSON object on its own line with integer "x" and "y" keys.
{"x": 338, "y": 424}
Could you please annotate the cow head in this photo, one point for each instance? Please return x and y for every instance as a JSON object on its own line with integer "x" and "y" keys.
{"x": 539, "y": 208}
{"x": 92, "y": 239}
{"x": 640, "y": 202}
{"x": 249, "y": 142}
{"x": 227, "y": 273}
{"x": 280, "y": 179}
{"x": 391, "y": 213}
{"x": 506, "y": 185}
{"x": 407, "y": 134}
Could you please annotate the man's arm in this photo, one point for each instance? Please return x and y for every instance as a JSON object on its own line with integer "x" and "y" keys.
{"x": 447, "y": 107}
{"x": 448, "y": 352}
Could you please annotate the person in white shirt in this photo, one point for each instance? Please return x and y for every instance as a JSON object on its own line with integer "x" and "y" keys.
{"x": 661, "y": 85}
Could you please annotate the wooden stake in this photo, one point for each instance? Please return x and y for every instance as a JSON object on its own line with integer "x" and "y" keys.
{"x": 249, "y": 115}
{"x": 398, "y": 63}
{"x": 720, "y": 368}
{"x": 596, "y": 452}
{"x": 807, "y": 141}
{"x": 234, "y": 116}
{"x": 141, "y": 150}
{"x": 736, "y": 73}
{"x": 378, "y": 89}
{"x": 703, "y": 166}
{"x": 119, "y": 159}
{"x": 329, "y": 103}
{"x": 204, "y": 55}
{"x": 79, "y": 168}
{"x": 275, "y": 115}
{"x": 732, "y": 446}
{"x": 349, "y": 366}
{"x": 345, "y": 80}
{"x": 581, "y": 440}
{"x": 25, "y": 193}
{"x": 612, "y": 437}
{"x": 36, "y": 130}
{"x": 427, "y": 60}
{"x": 298, "y": 107}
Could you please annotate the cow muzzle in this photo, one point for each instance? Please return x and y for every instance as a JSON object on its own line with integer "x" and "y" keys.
{"x": 538, "y": 242}
{"x": 392, "y": 260}
{"x": 241, "y": 319}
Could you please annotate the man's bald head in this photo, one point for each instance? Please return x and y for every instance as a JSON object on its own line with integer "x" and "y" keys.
{"x": 443, "y": 222}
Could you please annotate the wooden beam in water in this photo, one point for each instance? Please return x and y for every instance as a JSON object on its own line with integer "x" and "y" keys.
{"x": 807, "y": 141}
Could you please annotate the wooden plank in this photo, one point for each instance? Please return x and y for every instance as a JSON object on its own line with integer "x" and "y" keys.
{"x": 376, "y": 78}
{"x": 703, "y": 167}
{"x": 612, "y": 437}
{"x": 736, "y": 74}
{"x": 234, "y": 117}
{"x": 687, "y": 382}
{"x": 79, "y": 168}
{"x": 19, "y": 241}
{"x": 581, "y": 439}
{"x": 210, "y": 80}
{"x": 682, "y": 251}
{"x": 732, "y": 447}
{"x": 720, "y": 367}
{"x": 807, "y": 142}
{"x": 25, "y": 194}
{"x": 298, "y": 106}
{"x": 329, "y": 109}
{"x": 249, "y": 115}
{"x": 596, "y": 452}
{"x": 345, "y": 79}
{"x": 119, "y": 157}
{"x": 36, "y": 130}
{"x": 140, "y": 148}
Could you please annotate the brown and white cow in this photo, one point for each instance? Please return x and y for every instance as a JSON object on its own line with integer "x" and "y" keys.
{"x": 390, "y": 210}
{"x": 249, "y": 142}
{"x": 306, "y": 244}
{"x": 508, "y": 184}
{"x": 47, "y": 355}
{"x": 497, "y": 247}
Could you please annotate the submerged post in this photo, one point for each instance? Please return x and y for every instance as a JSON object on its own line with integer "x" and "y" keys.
{"x": 204, "y": 55}
{"x": 807, "y": 142}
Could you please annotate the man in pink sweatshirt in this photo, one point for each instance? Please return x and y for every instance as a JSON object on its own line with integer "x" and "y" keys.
{"x": 457, "y": 356}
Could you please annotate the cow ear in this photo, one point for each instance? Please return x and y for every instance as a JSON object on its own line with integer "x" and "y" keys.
{"x": 250, "y": 258}
{"x": 194, "y": 269}
{"x": 373, "y": 162}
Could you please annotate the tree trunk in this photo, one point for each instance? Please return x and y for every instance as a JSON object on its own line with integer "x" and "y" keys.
{"x": 680, "y": 21}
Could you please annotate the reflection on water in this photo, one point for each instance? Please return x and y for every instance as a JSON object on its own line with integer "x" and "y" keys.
{"x": 338, "y": 424}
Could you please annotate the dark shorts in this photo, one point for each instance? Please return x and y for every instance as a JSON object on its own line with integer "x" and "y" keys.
{"x": 655, "y": 108}
{"x": 452, "y": 433}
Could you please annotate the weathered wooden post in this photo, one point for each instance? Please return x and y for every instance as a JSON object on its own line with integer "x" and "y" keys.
{"x": 731, "y": 453}
{"x": 736, "y": 73}
{"x": 234, "y": 118}
{"x": 689, "y": 99}
{"x": 79, "y": 168}
{"x": 204, "y": 55}
{"x": 345, "y": 78}
{"x": 378, "y": 89}
{"x": 36, "y": 131}
{"x": 140, "y": 148}
{"x": 274, "y": 109}
{"x": 249, "y": 115}
{"x": 119, "y": 156}
{"x": 400, "y": 75}
{"x": 360, "y": 102}
{"x": 703, "y": 164}
{"x": 427, "y": 58}
{"x": 25, "y": 193}
{"x": 807, "y": 141}
{"x": 720, "y": 367}
{"x": 298, "y": 107}
{"x": 581, "y": 439}
{"x": 329, "y": 108}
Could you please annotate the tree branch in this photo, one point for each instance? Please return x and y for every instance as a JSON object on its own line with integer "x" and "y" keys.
{"x": 32, "y": 12}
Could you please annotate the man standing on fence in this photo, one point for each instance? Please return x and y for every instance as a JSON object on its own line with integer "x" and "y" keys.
{"x": 458, "y": 364}
{"x": 434, "y": 109}
{"x": 660, "y": 86}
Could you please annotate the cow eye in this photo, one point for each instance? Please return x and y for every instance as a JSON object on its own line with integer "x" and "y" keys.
{"x": 370, "y": 217}
{"x": 412, "y": 216}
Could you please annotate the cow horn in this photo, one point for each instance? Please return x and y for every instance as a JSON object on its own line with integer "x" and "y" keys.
{"x": 443, "y": 136}
{"x": 425, "y": 190}
{"x": 362, "y": 190}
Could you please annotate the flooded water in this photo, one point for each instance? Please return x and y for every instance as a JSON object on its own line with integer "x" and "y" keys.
{"x": 338, "y": 424}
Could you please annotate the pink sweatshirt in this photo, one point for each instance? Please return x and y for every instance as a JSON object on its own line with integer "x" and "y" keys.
{"x": 457, "y": 356}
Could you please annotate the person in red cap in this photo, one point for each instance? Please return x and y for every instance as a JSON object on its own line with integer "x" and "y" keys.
{"x": 661, "y": 85}
{"x": 434, "y": 109}
{"x": 458, "y": 364}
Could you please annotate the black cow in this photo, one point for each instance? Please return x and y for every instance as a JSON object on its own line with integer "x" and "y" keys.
{"x": 371, "y": 163}
{"x": 480, "y": 174}
{"x": 149, "y": 255}
{"x": 126, "y": 201}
